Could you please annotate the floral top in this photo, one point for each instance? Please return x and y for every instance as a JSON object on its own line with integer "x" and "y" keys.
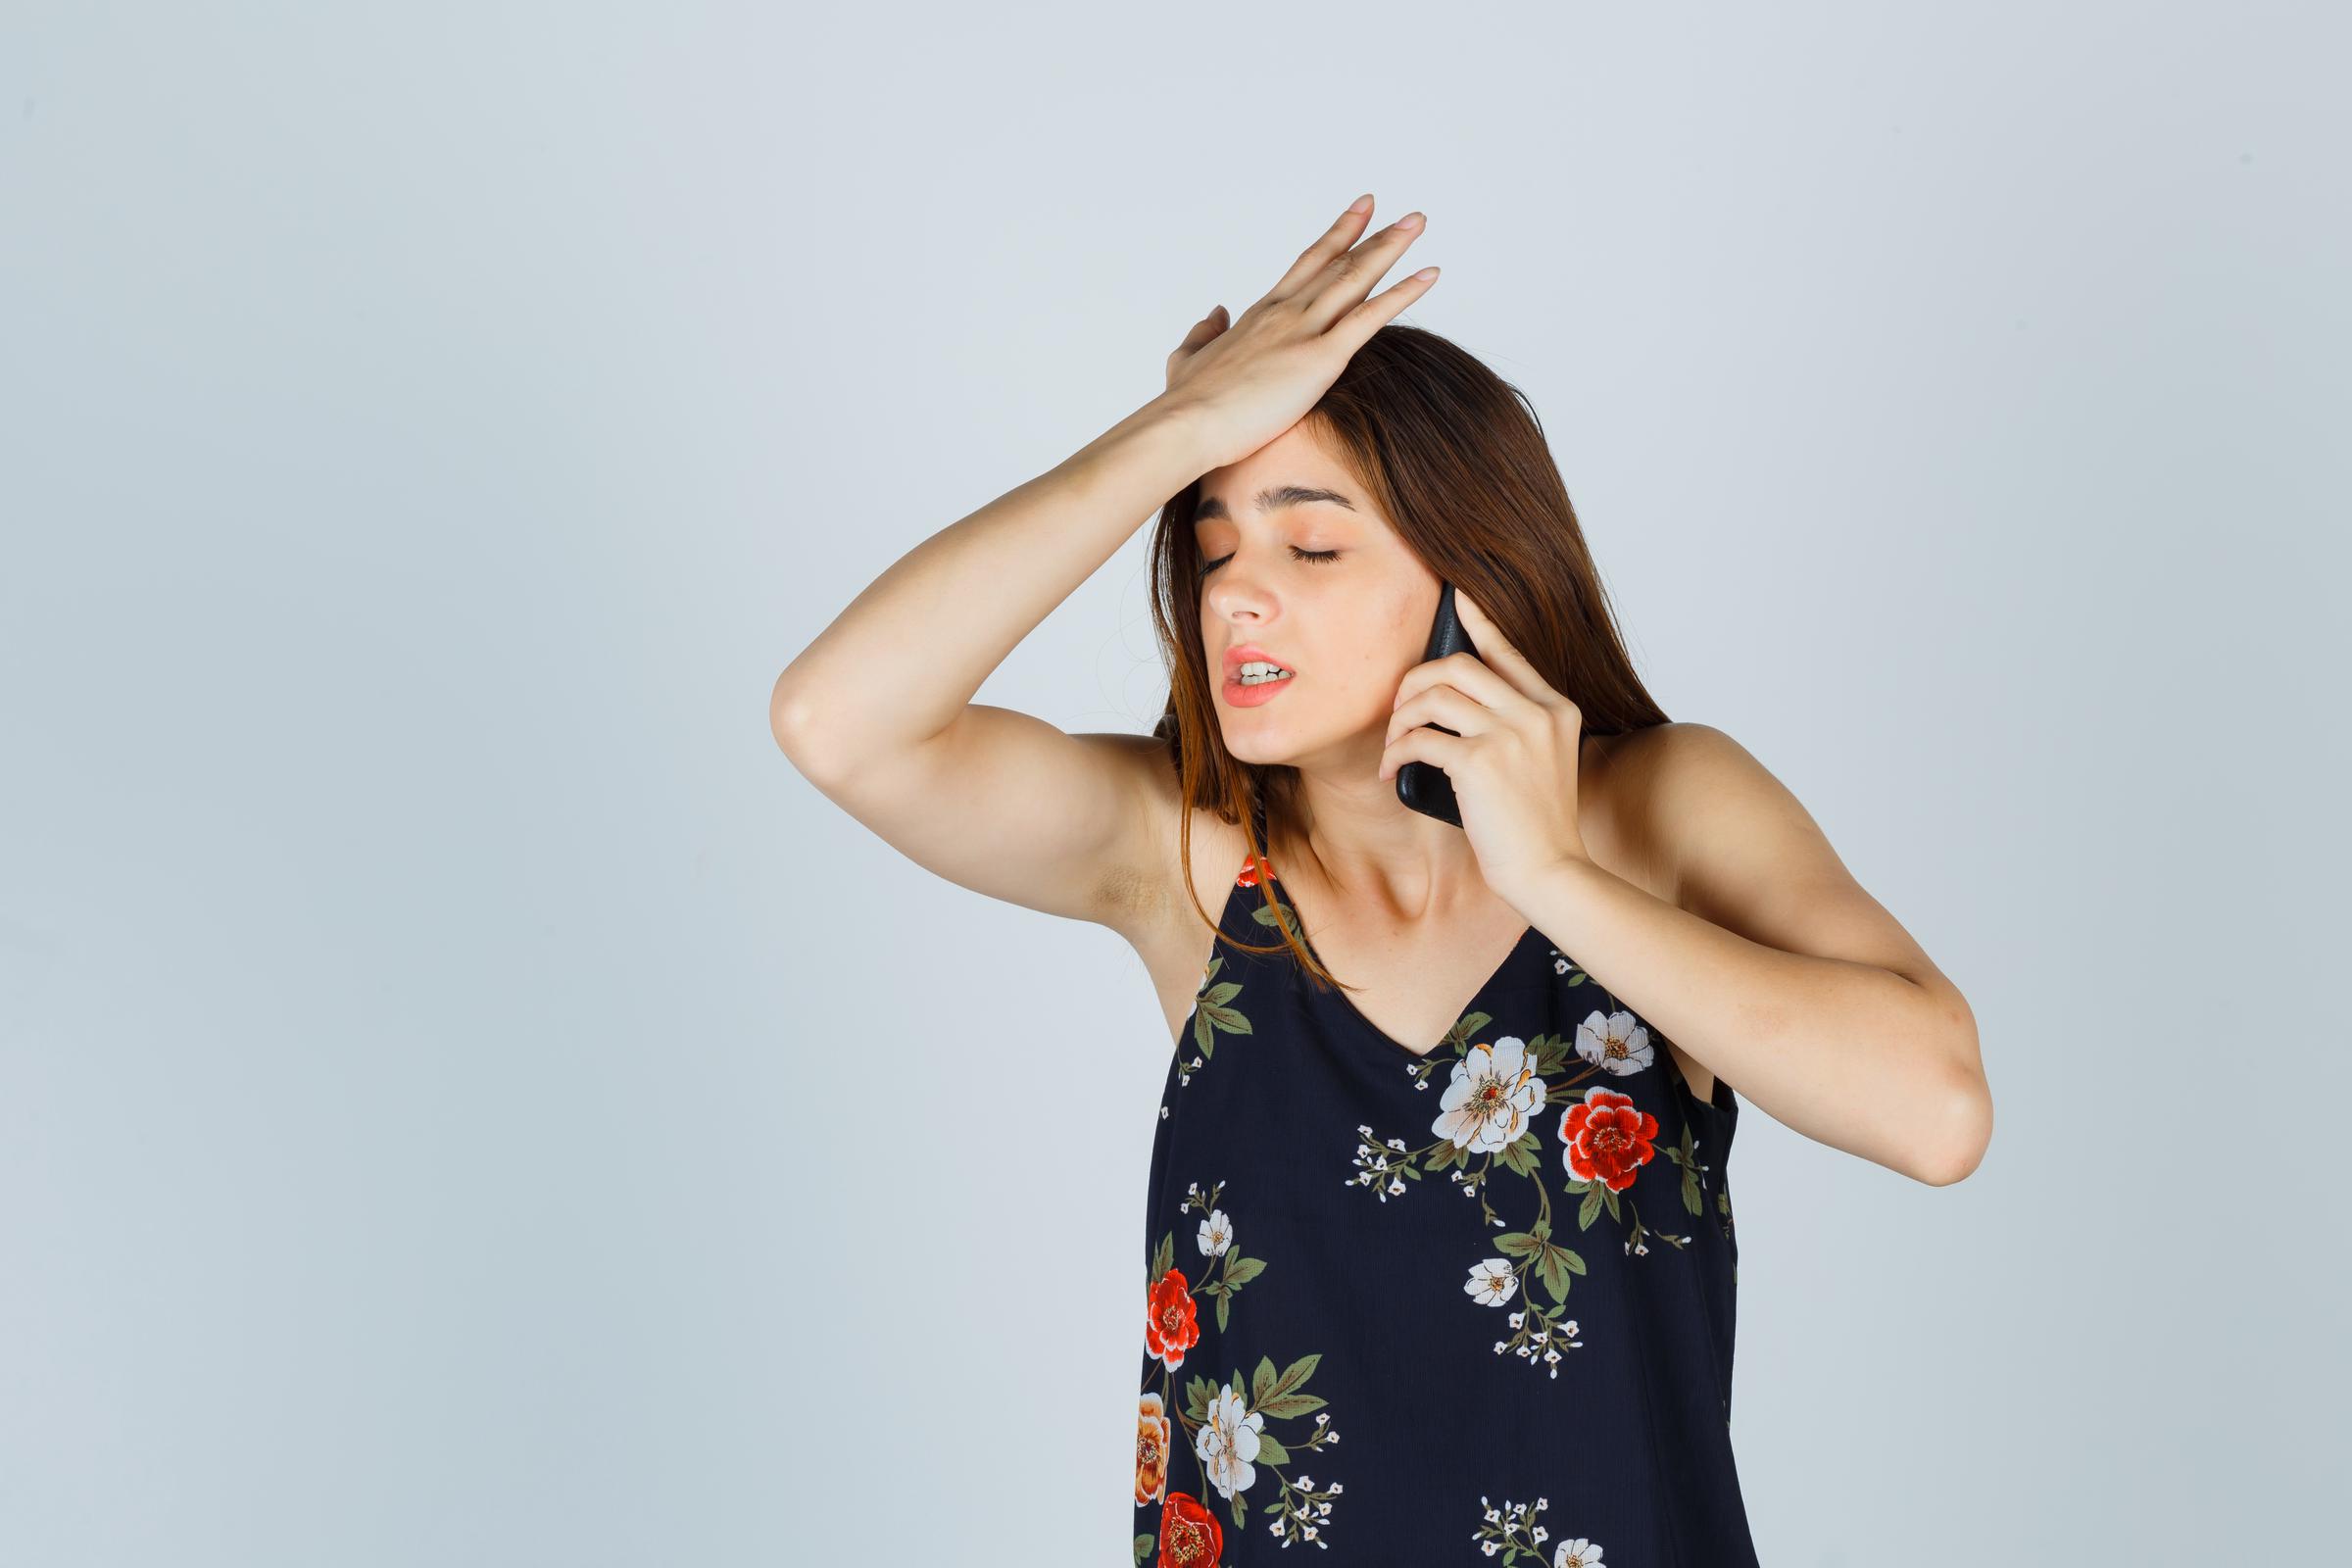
{"x": 1504, "y": 1270}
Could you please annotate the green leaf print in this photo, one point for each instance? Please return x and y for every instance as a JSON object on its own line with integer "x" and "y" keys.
{"x": 1280, "y": 1396}
{"x": 1549, "y": 1054}
{"x": 1525, "y": 1155}
{"x": 1446, "y": 1154}
{"x": 1563, "y": 1263}
{"x": 1293, "y": 1377}
{"x": 1163, "y": 1258}
{"x": 1278, "y": 913}
{"x": 1466, "y": 1031}
{"x": 1589, "y": 1209}
{"x": 1211, "y": 1009}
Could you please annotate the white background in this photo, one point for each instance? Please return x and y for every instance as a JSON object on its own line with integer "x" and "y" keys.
{"x": 464, "y": 1098}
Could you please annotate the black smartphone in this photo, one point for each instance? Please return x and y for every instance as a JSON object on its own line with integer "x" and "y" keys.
{"x": 1421, "y": 785}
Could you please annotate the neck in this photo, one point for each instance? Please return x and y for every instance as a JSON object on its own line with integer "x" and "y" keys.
{"x": 1373, "y": 849}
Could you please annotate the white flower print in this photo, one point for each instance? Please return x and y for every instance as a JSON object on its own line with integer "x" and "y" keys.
{"x": 1493, "y": 1092}
{"x": 1493, "y": 1282}
{"x": 1216, "y": 1234}
{"x": 1513, "y": 1528}
{"x": 1228, "y": 1443}
{"x": 1615, "y": 1044}
{"x": 1376, "y": 1168}
{"x": 1526, "y": 1342}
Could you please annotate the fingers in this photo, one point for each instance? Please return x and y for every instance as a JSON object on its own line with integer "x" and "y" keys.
{"x": 1448, "y": 706}
{"x": 1345, "y": 279}
{"x": 1465, "y": 673}
{"x": 1334, "y": 243}
{"x": 1203, "y": 331}
{"x": 1422, "y": 744}
{"x": 1357, "y": 325}
{"x": 1496, "y": 650}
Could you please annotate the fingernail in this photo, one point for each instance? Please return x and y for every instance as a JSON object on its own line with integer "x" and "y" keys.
{"x": 1409, "y": 220}
{"x": 1363, "y": 204}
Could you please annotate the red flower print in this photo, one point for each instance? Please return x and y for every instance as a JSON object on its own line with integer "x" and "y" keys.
{"x": 1151, "y": 1450}
{"x": 1170, "y": 1325}
{"x": 1189, "y": 1534}
{"x": 1608, "y": 1138}
{"x": 1250, "y": 865}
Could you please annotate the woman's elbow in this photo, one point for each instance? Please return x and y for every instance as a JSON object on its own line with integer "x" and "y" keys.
{"x": 1965, "y": 1129}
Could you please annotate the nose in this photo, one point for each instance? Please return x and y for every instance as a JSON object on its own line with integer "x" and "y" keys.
{"x": 1240, "y": 612}
{"x": 1233, "y": 595}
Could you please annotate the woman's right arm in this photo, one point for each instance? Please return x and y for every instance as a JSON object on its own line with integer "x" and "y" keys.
{"x": 878, "y": 711}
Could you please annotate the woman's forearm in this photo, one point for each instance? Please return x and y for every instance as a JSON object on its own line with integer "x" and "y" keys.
{"x": 1847, "y": 1054}
{"x": 903, "y": 660}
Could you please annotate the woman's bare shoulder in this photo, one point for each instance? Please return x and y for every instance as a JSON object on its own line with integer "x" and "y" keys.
{"x": 1668, "y": 790}
{"x": 1173, "y": 928}
{"x": 1739, "y": 848}
{"x": 1151, "y": 906}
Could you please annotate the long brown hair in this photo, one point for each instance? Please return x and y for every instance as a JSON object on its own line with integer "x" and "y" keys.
{"x": 1455, "y": 458}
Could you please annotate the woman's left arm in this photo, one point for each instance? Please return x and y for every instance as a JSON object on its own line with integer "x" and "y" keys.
{"x": 1767, "y": 963}
{"x": 1771, "y": 966}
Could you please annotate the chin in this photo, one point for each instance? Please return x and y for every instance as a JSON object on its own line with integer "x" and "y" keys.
{"x": 1258, "y": 748}
{"x": 1256, "y": 751}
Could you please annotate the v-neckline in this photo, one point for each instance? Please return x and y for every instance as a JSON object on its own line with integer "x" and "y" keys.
{"x": 1381, "y": 1036}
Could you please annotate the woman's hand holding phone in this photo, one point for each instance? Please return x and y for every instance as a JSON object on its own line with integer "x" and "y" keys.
{"x": 1511, "y": 758}
{"x": 1239, "y": 385}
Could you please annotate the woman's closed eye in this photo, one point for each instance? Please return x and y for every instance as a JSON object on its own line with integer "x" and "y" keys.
{"x": 1296, "y": 554}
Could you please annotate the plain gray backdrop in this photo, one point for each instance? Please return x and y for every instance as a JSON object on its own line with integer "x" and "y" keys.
{"x": 468, "y": 1100}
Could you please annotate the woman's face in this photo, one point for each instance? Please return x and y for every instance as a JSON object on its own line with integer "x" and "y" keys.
{"x": 1298, "y": 564}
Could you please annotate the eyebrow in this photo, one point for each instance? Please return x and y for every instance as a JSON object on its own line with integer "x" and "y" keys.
{"x": 1272, "y": 498}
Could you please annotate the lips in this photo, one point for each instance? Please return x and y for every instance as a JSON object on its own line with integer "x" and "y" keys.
{"x": 1247, "y": 653}
{"x": 1255, "y": 694}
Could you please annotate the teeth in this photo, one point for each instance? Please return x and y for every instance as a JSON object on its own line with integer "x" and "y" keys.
{"x": 1257, "y": 671}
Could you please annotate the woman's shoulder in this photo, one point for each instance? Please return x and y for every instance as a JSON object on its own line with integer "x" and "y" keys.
{"x": 1157, "y": 904}
{"x": 1670, "y": 751}
{"x": 1671, "y": 790}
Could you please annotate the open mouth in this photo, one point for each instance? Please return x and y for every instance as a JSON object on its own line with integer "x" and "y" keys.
{"x": 1256, "y": 680}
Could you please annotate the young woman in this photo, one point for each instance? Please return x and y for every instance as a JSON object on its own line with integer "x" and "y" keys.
{"x": 1439, "y": 1163}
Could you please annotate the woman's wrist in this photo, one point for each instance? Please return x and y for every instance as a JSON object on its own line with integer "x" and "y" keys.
{"x": 1160, "y": 441}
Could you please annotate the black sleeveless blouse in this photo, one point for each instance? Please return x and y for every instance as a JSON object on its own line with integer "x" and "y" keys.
{"x": 1412, "y": 1306}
